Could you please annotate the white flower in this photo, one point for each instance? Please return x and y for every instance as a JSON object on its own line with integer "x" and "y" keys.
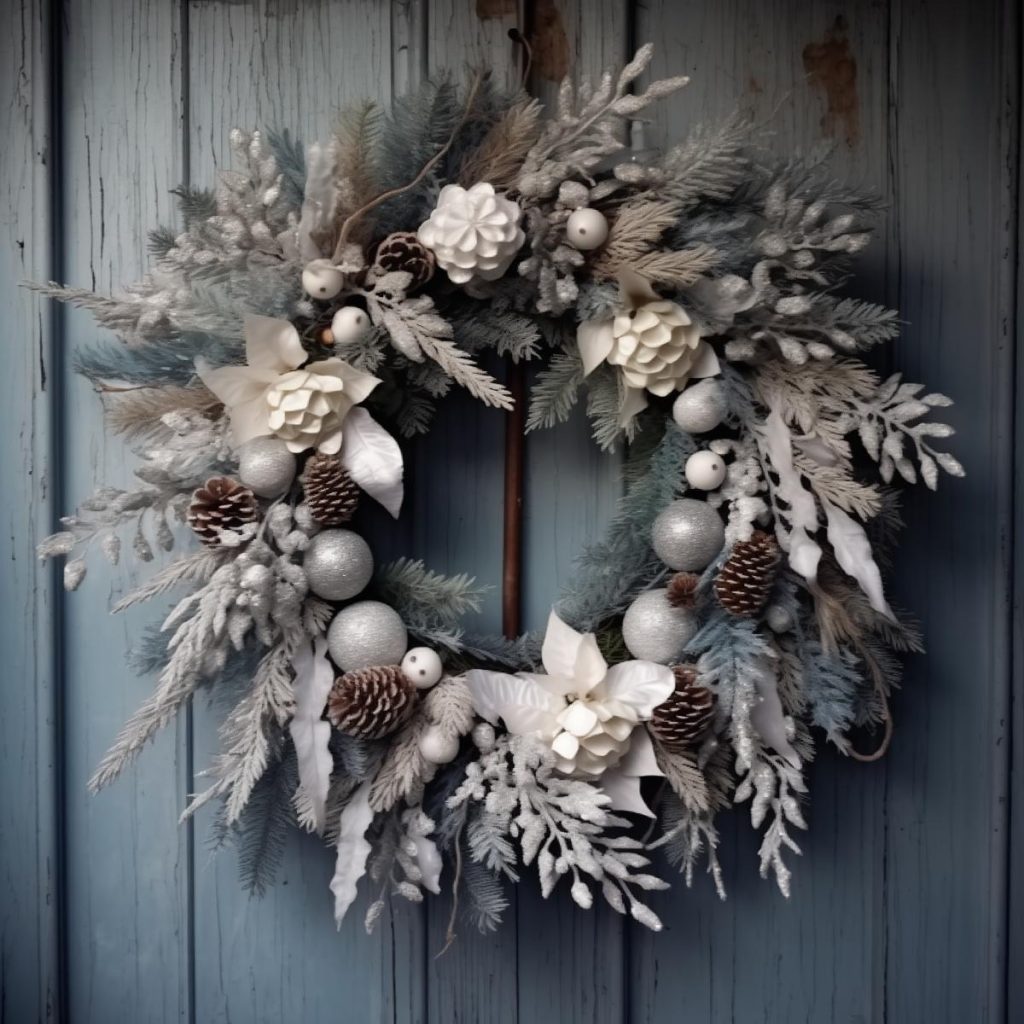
{"x": 473, "y": 232}
{"x": 275, "y": 394}
{"x": 585, "y": 711}
{"x": 652, "y": 339}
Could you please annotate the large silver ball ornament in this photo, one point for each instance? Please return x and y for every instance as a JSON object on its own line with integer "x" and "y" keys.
{"x": 266, "y": 466}
{"x": 687, "y": 535}
{"x": 655, "y": 630}
{"x": 338, "y": 564}
{"x": 366, "y": 633}
{"x": 700, "y": 408}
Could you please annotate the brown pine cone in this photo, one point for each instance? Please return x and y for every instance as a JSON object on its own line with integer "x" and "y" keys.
{"x": 746, "y": 579}
{"x": 682, "y": 590}
{"x": 681, "y": 721}
{"x": 221, "y": 504}
{"x": 331, "y": 493}
{"x": 371, "y": 702}
{"x": 404, "y": 251}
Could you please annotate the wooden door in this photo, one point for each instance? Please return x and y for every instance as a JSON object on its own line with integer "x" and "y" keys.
{"x": 905, "y": 907}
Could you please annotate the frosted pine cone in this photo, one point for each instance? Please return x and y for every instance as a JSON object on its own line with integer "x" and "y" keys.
{"x": 682, "y": 720}
{"x": 220, "y": 504}
{"x": 403, "y": 251}
{"x": 370, "y": 703}
{"x": 656, "y": 344}
{"x": 746, "y": 579}
{"x": 331, "y": 494}
{"x": 473, "y": 232}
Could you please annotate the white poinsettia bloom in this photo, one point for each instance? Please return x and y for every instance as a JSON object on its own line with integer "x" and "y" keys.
{"x": 586, "y": 711}
{"x": 275, "y": 394}
{"x": 473, "y": 232}
{"x": 652, "y": 340}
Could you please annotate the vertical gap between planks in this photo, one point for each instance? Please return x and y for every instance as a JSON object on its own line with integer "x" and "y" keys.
{"x": 53, "y": 403}
{"x": 188, "y": 744}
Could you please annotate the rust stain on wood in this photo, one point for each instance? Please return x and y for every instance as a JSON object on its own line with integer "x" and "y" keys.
{"x": 486, "y": 9}
{"x": 831, "y": 67}
{"x": 549, "y": 41}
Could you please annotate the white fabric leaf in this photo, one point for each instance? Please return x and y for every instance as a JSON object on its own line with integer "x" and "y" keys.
{"x": 639, "y": 759}
{"x": 590, "y": 666}
{"x": 705, "y": 363}
{"x": 768, "y": 720}
{"x": 634, "y": 401}
{"x": 595, "y": 340}
{"x": 353, "y": 850}
{"x": 804, "y": 554}
{"x": 640, "y": 685}
{"x": 311, "y": 736}
{"x": 624, "y": 792}
{"x": 854, "y": 555}
{"x": 373, "y": 459}
{"x": 496, "y": 693}
{"x": 634, "y": 288}
{"x": 272, "y": 344}
{"x": 561, "y": 647}
{"x": 428, "y": 860}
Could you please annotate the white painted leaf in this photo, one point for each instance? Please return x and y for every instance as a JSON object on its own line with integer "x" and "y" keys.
{"x": 373, "y": 459}
{"x": 705, "y": 364}
{"x": 640, "y": 759}
{"x": 595, "y": 341}
{"x": 561, "y": 647}
{"x": 768, "y": 720}
{"x": 311, "y": 735}
{"x": 804, "y": 554}
{"x": 353, "y": 850}
{"x": 624, "y": 792}
{"x": 498, "y": 695}
{"x": 640, "y": 685}
{"x": 428, "y": 859}
{"x": 853, "y": 553}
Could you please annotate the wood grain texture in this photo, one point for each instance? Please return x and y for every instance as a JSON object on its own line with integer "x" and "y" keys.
{"x": 126, "y": 861}
{"x": 30, "y": 864}
{"x": 900, "y": 908}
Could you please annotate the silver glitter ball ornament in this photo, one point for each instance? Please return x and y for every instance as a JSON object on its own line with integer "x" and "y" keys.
{"x": 338, "y": 564}
{"x": 701, "y": 407}
{"x": 655, "y": 630}
{"x": 364, "y": 634}
{"x": 687, "y": 535}
{"x": 266, "y": 466}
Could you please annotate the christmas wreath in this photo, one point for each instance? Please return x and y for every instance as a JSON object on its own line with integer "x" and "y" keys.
{"x": 320, "y": 302}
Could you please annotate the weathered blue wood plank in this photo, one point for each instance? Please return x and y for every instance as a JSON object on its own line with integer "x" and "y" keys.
{"x": 126, "y": 862}
{"x": 30, "y": 986}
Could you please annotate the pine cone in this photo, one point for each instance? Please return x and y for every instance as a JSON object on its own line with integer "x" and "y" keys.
{"x": 404, "y": 251}
{"x": 682, "y": 590}
{"x": 220, "y": 504}
{"x": 681, "y": 721}
{"x": 371, "y": 702}
{"x": 746, "y": 579}
{"x": 331, "y": 494}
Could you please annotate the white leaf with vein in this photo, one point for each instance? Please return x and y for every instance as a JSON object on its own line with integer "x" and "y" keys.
{"x": 854, "y": 555}
{"x": 353, "y": 850}
{"x": 311, "y": 735}
{"x": 372, "y": 458}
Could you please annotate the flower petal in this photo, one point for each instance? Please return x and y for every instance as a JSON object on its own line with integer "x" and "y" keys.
{"x": 233, "y": 384}
{"x": 639, "y": 759}
{"x": 565, "y": 745}
{"x": 577, "y": 719}
{"x": 561, "y": 645}
{"x": 358, "y": 384}
{"x": 640, "y": 685}
{"x": 272, "y": 344}
{"x": 624, "y": 792}
{"x": 590, "y": 667}
{"x": 705, "y": 362}
{"x": 495, "y": 693}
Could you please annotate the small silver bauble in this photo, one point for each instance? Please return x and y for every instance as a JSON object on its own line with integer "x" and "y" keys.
{"x": 437, "y": 746}
{"x": 366, "y": 633}
{"x": 266, "y": 466}
{"x": 422, "y": 667}
{"x": 350, "y": 324}
{"x": 322, "y": 280}
{"x": 700, "y": 408}
{"x": 586, "y": 229}
{"x": 705, "y": 470}
{"x": 483, "y": 737}
{"x": 655, "y": 630}
{"x": 687, "y": 535}
{"x": 338, "y": 564}
{"x": 778, "y": 618}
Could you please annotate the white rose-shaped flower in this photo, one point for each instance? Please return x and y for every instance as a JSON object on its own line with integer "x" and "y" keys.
{"x": 586, "y": 712}
{"x": 473, "y": 232}
{"x": 272, "y": 395}
{"x": 651, "y": 339}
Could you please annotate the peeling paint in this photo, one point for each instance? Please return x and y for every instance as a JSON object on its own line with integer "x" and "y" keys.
{"x": 549, "y": 41}
{"x": 831, "y": 66}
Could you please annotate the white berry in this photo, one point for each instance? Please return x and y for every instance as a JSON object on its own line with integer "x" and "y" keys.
{"x": 778, "y": 618}
{"x": 350, "y": 324}
{"x": 705, "y": 470}
{"x": 422, "y": 667}
{"x": 322, "y": 280}
{"x": 586, "y": 229}
{"x": 437, "y": 746}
